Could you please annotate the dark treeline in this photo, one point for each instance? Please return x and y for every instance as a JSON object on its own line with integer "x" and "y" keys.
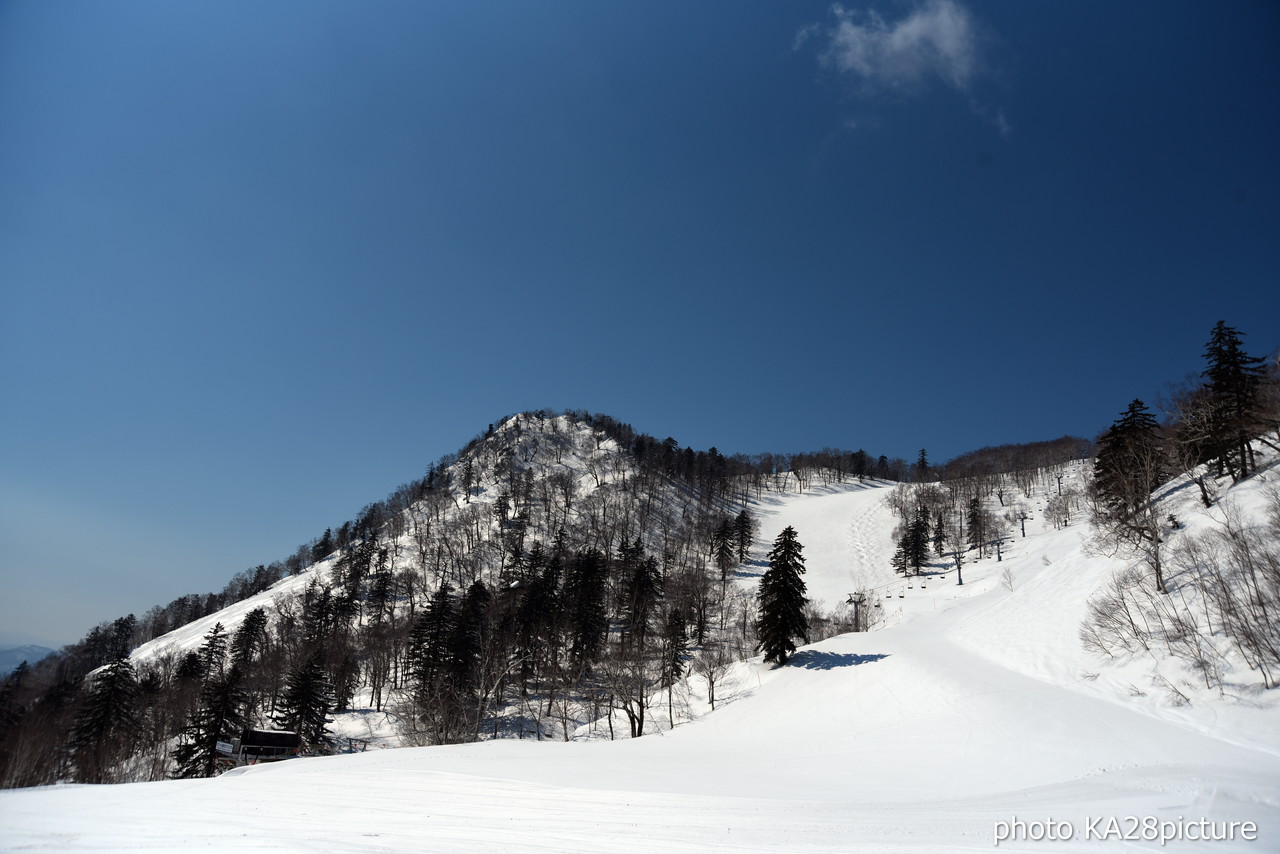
{"x": 561, "y": 569}
{"x": 713, "y": 472}
{"x": 1021, "y": 462}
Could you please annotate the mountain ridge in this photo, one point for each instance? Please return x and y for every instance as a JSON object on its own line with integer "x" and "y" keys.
{"x": 12, "y": 657}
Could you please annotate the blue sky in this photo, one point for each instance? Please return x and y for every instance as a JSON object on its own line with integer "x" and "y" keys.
{"x": 262, "y": 262}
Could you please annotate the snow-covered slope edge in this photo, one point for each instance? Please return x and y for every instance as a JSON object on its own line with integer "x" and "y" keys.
{"x": 1034, "y": 627}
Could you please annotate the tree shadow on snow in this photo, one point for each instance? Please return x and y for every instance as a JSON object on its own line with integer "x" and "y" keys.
{"x": 813, "y": 659}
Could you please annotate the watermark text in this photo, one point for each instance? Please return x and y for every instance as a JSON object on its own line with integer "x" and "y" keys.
{"x": 1130, "y": 828}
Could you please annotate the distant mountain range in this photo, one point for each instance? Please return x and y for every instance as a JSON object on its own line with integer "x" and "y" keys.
{"x": 12, "y": 656}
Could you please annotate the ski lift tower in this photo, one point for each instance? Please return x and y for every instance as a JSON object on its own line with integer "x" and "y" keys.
{"x": 857, "y": 599}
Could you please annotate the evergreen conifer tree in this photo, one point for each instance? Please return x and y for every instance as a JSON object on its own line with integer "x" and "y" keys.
{"x": 978, "y": 523}
{"x": 1129, "y": 467}
{"x": 585, "y": 587}
{"x": 213, "y": 652}
{"x": 917, "y": 541}
{"x": 323, "y": 547}
{"x": 782, "y": 600}
{"x": 218, "y": 715}
{"x": 913, "y": 545}
{"x": 744, "y": 534}
{"x": 642, "y": 589}
{"x": 920, "y": 472}
{"x": 722, "y": 547}
{"x": 468, "y": 638}
{"x": 318, "y": 613}
{"x": 540, "y": 613}
{"x": 1234, "y": 382}
{"x": 106, "y": 729}
{"x": 190, "y": 668}
{"x": 430, "y": 642}
{"x": 380, "y": 593}
{"x": 675, "y": 653}
{"x": 306, "y": 702}
{"x": 1130, "y": 462}
{"x": 899, "y": 559}
{"x": 122, "y": 629}
{"x": 250, "y": 638}
{"x": 939, "y": 536}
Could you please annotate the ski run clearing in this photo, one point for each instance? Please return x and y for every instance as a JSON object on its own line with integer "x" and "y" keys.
{"x": 968, "y": 710}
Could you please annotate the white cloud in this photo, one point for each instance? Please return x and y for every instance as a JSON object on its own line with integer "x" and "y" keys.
{"x": 1002, "y": 124}
{"x": 936, "y": 40}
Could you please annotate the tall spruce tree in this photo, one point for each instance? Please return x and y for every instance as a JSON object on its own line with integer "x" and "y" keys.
{"x": 324, "y": 547}
{"x": 540, "y": 614}
{"x": 250, "y": 638}
{"x": 744, "y": 533}
{"x": 1130, "y": 462}
{"x": 915, "y": 542}
{"x": 584, "y": 592}
{"x": 722, "y": 548}
{"x": 213, "y": 652}
{"x": 306, "y": 702}
{"x": 641, "y": 591}
{"x": 106, "y": 730}
{"x": 1129, "y": 467}
{"x": 913, "y": 546}
{"x": 468, "y": 642}
{"x": 675, "y": 654}
{"x": 319, "y": 613}
{"x": 782, "y": 600}
{"x": 431, "y": 643}
{"x": 220, "y": 714}
{"x": 122, "y": 630}
{"x": 899, "y": 559}
{"x": 190, "y": 668}
{"x": 1234, "y": 382}
{"x": 978, "y": 523}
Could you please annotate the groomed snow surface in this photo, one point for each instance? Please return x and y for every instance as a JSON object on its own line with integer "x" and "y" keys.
{"x": 970, "y": 706}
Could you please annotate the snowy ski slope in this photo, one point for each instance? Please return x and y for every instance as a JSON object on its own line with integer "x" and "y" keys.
{"x": 973, "y": 705}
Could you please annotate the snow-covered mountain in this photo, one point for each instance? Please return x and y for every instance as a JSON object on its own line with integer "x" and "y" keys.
{"x": 573, "y": 477}
{"x": 969, "y": 715}
{"x": 13, "y": 656}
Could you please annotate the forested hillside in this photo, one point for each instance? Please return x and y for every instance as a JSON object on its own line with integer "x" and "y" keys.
{"x": 556, "y": 566}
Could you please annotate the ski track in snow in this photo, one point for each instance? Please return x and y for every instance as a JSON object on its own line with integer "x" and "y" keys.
{"x": 845, "y": 530}
{"x": 967, "y": 709}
